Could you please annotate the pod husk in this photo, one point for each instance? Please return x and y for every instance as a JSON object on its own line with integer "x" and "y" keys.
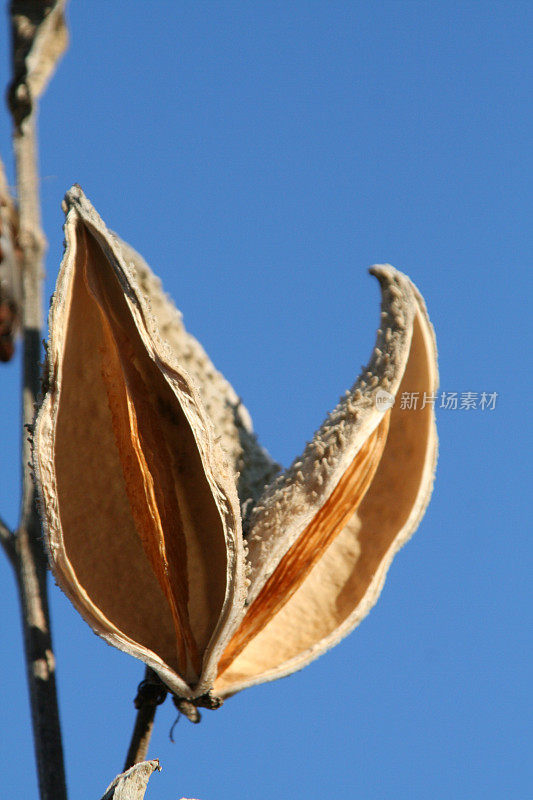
{"x": 146, "y": 462}
{"x": 345, "y": 569}
{"x": 141, "y": 512}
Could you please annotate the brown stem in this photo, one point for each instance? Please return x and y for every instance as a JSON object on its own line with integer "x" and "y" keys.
{"x": 150, "y": 694}
{"x": 140, "y": 738}
{"x": 7, "y": 540}
{"x": 30, "y": 556}
{"x": 40, "y": 667}
{"x": 37, "y": 29}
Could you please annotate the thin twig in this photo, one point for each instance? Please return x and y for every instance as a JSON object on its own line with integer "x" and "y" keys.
{"x": 40, "y": 664}
{"x": 37, "y": 30}
{"x": 150, "y": 693}
{"x": 7, "y": 540}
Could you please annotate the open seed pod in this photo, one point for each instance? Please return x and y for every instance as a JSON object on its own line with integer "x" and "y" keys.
{"x": 142, "y": 515}
{"x": 137, "y": 447}
{"x": 322, "y": 536}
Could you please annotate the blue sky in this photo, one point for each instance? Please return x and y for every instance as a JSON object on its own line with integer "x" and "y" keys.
{"x": 261, "y": 156}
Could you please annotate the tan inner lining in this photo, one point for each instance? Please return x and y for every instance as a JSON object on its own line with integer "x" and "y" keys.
{"x": 300, "y": 559}
{"x": 338, "y": 586}
{"x": 150, "y": 551}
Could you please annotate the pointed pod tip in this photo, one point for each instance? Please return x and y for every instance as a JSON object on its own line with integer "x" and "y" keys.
{"x": 383, "y": 272}
{"x": 73, "y": 197}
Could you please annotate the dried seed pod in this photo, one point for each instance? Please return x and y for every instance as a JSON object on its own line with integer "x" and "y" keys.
{"x": 324, "y": 534}
{"x": 141, "y": 510}
{"x": 140, "y": 505}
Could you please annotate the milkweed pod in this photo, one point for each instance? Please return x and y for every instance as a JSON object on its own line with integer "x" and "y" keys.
{"x": 140, "y": 496}
{"x": 323, "y": 535}
{"x": 140, "y": 507}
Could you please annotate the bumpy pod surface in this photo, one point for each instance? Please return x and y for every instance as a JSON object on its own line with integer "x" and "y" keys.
{"x": 146, "y": 461}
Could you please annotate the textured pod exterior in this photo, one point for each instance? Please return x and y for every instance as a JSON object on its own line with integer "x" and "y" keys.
{"x": 357, "y": 493}
{"x": 141, "y": 513}
{"x": 137, "y": 448}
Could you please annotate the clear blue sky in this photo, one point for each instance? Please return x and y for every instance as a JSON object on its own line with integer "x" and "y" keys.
{"x": 261, "y": 155}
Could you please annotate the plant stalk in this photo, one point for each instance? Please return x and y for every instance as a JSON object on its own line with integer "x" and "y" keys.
{"x": 151, "y": 692}
{"x": 30, "y": 562}
{"x": 38, "y": 40}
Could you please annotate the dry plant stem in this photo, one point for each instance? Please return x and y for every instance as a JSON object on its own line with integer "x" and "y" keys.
{"x": 7, "y": 540}
{"x": 30, "y": 557}
{"x": 140, "y": 738}
{"x": 144, "y": 723}
{"x": 38, "y": 40}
